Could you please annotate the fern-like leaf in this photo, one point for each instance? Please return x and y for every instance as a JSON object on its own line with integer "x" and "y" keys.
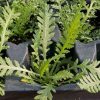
{"x": 35, "y": 46}
{"x": 45, "y": 93}
{"x": 85, "y": 66}
{"x": 8, "y": 16}
{"x": 62, "y": 75}
{"x": 46, "y": 27}
{"x": 86, "y": 29}
{"x": 66, "y": 42}
{"x": 44, "y": 67}
{"x": 26, "y": 10}
{"x": 8, "y": 68}
{"x": 69, "y": 36}
{"x": 2, "y": 89}
{"x": 90, "y": 82}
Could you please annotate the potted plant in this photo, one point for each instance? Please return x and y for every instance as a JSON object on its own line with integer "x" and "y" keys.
{"x": 21, "y": 30}
{"x": 87, "y": 46}
{"x": 52, "y": 71}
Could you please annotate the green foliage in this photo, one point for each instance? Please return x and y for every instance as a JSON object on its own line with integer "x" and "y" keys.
{"x": 62, "y": 75}
{"x": 7, "y": 17}
{"x": 45, "y": 66}
{"x": 86, "y": 33}
{"x": 27, "y": 23}
{"x": 7, "y": 68}
{"x": 95, "y": 34}
{"x": 54, "y": 71}
{"x": 86, "y": 30}
{"x": 2, "y": 89}
{"x": 46, "y": 28}
{"x": 26, "y": 10}
{"x": 42, "y": 40}
{"x": 48, "y": 68}
{"x": 85, "y": 67}
{"x": 71, "y": 22}
{"x": 90, "y": 82}
{"x": 45, "y": 93}
{"x": 70, "y": 34}
{"x": 5, "y": 21}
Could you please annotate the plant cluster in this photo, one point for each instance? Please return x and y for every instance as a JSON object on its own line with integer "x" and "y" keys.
{"x": 89, "y": 33}
{"x": 56, "y": 70}
{"x": 95, "y": 34}
{"x": 27, "y": 9}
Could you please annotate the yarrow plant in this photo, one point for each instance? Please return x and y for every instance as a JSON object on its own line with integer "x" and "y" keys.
{"x": 55, "y": 70}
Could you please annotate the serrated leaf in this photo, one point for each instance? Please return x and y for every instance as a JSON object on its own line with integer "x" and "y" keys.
{"x": 62, "y": 75}
{"x": 45, "y": 93}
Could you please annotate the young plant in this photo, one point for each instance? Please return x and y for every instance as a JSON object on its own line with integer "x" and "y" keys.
{"x": 87, "y": 33}
{"x": 95, "y": 34}
{"x": 51, "y": 72}
{"x": 51, "y": 69}
{"x": 22, "y": 25}
{"x": 7, "y": 17}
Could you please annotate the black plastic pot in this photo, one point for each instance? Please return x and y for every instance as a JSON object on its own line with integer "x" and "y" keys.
{"x": 19, "y": 52}
{"x": 89, "y": 51}
{"x": 16, "y": 90}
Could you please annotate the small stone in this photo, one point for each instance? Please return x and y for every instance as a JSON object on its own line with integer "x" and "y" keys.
{"x": 85, "y": 51}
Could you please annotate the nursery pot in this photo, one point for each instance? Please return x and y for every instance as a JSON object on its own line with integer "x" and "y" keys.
{"x": 19, "y": 52}
{"x": 16, "y": 90}
{"x": 89, "y": 51}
